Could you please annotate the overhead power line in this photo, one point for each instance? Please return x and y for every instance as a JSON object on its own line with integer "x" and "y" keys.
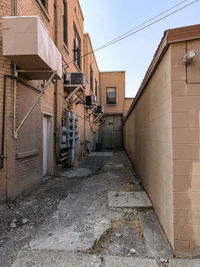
{"x": 135, "y": 28}
{"x": 140, "y": 27}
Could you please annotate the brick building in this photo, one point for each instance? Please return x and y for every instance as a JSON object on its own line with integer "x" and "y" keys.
{"x": 36, "y": 144}
{"x": 112, "y": 84}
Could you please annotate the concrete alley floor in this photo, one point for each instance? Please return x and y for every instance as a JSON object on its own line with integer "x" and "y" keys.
{"x": 86, "y": 217}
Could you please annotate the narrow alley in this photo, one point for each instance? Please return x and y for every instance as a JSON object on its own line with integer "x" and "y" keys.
{"x": 87, "y": 216}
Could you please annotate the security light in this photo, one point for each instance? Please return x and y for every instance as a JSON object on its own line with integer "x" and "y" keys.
{"x": 189, "y": 57}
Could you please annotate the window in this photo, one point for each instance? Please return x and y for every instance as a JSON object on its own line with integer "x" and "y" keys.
{"x": 91, "y": 78}
{"x": 65, "y": 23}
{"x": 111, "y": 95}
{"x": 44, "y": 2}
{"x": 77, "y": 48}
{"x": 95, "y": 87}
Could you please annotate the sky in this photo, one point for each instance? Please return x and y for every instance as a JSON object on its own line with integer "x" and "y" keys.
{"x": 107, "y": 19}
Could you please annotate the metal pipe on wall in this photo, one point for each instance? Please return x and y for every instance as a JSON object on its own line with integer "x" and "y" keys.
{"x": 3, "y": 121}
{"x": 14, "y": 82}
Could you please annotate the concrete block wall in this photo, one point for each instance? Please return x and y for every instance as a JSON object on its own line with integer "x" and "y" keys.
{"x": 161, "y": 137}
{"x": 186, "y": 157}
{"x": 148, "y": 142}
{"x": 127, "y": 104}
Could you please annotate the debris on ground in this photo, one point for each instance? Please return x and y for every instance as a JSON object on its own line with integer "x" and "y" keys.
{"x": 68, "y": 219}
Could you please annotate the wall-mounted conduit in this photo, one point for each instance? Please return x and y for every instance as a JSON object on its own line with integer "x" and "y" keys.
{"x": 3, "y": 121}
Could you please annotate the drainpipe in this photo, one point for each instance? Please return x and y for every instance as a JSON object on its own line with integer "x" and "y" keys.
{"x": 85, "y": 145}
{"x": 3, "y": 121}
{"x": 56, "y": 152}
{"x": 14, "y": 82}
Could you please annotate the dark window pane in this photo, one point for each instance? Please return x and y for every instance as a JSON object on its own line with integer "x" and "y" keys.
{"x": 77, "y": 48}
{"x": 91, "y": 79}
{"x": 65, "y": 33}
{"x": 111, "y": 95}
{"x": 43, "y": 2}
{"x": 95, "y": 87}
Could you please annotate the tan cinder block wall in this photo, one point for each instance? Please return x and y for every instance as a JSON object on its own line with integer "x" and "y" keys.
{"x": 113, "y": 79}
{"x": 129, "y": 137}
{"x": 186, "y": 149}
{"x": 127, "y": 105}
{"x": 148, "y": 142}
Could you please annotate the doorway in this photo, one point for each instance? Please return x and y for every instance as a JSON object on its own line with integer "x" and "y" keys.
{"x": 111, "y": 132}
{"x": 47, "y": 145}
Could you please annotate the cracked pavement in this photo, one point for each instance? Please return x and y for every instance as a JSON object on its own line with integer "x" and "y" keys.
{"x": 68, "y": 222}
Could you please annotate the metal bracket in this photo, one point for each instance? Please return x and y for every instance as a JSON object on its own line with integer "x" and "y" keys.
{"x": 74, "y": 92}
{"x": 31, "y": 108}
{"x": 98, "y": 118}
{"x": 101, "y": 122}
{"x": 91, "y": 112}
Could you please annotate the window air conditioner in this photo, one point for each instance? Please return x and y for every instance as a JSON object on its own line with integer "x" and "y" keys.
{"x": 91, "y": 100}
{"x": 99, "y": 110}
{"x": 75, "y": 78}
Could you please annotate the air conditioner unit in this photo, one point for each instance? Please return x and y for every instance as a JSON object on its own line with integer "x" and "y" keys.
{"x": 91, "y": 100}
{"x": 99, "y": 110}
{"x": 75, "y": 78}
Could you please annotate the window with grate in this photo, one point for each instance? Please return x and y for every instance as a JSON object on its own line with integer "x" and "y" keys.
{"x": 91, "y": 78}
{"x": 111, "y": 95}
{"x": 65, "y": 23}
{"x": 77, "y": 48}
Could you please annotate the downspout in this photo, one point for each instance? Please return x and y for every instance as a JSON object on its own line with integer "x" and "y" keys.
{"x": 100, "y": 88}
{"x": 3, "y": 120}
{"x": 14, "y": 82}
{"x": 85, "y": 145}
{"x": 56, "y": 153}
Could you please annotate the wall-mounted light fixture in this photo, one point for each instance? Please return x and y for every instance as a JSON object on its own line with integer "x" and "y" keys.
{"x": 189, "y": 57}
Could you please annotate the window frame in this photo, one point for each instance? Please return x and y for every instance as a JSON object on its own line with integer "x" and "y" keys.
{"x": 107, "y": 99}
{"x": 77, "y": 48}
{"x": 96, "y": 87}
{"x": 91, "y": 79}
{"x": 44, "y": 8}
{"x": 65, "y": 22}
{"x": 44, "y": 3}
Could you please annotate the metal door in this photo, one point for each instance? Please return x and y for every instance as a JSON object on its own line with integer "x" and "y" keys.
{"x": 45, "y": 145}
{"x": 106, "y": 132}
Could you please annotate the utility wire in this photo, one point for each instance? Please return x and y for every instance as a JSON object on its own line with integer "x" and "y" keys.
{"x": 154, "y": 22}
{"x": 164, "y": 12}
{"x": 134, "y": 31}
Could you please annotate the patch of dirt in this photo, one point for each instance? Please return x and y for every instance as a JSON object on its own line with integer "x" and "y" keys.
{"x": 99, "y": 245}
{"x": 129, "y": 187}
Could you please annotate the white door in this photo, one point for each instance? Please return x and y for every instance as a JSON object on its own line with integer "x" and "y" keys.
{"x": 45, "y": 145}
